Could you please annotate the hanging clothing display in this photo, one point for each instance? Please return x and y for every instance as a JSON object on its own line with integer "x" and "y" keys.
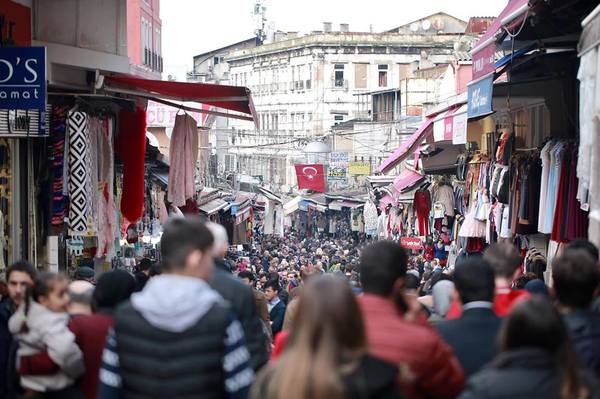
{"x": 59, "y": 191}
{"x": 78, "y": 176}
{"x": 183, "y": 155}
{"x": 131, "y": 147}
{"x": 444, "y": 194}
{"x": 422, "y": 204}
{"x": 370, "y": 216}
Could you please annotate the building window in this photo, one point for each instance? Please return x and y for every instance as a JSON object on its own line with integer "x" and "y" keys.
{"x": 360, "y": 76}
{"x": 338, "y": 71}
{"x": 216, "y": 60}
{"x": 383, "y": 75}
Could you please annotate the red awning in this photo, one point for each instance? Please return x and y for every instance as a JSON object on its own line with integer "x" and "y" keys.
{"x": 485, "y": 49}
{"x": 408, "y": 146}
{"x": 407, "y": 179}
{"x": 234, "y": 98}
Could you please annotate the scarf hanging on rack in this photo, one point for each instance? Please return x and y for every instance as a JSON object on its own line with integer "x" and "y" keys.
{"x": 131, "y": 147}
{"x": 78, "y": 177}
{"x": 59, "y": 199}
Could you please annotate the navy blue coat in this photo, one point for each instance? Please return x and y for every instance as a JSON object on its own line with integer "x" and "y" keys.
{"x": 473, "y": 338}
{"x": 277, "y": 315}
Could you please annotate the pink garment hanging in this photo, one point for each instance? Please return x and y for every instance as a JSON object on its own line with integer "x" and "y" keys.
{"x": 106, "y": 204}
{"x": 183, "y": 154}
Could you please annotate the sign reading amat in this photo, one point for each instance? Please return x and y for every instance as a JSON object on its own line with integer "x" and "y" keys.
{"x": 23, "y": 91}
{"x": 480, "y": 97}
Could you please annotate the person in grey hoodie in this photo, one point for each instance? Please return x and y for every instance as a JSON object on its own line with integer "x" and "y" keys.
{"x": 177, "y": 338}
{"x": 40, "y": 323}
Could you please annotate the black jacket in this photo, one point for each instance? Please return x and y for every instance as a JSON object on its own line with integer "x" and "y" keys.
{"x": 372, "y": 379}
{"x": 155, "y": 363}
{"x": 277, "y": 315}
{"x": 5, "y": 344}
{"x": 473, "y": 338}
{"x": 241, "y": 298}
{"x": 584, "y": 327}
{"x": 528, "y": 373}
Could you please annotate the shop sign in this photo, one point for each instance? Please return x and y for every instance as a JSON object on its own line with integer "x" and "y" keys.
{"x": 159, "y": 115}
{"x": 484, "y": 61}
{"x": 303, "y": 205}
{"x": 412, "y": 243}
{"x": 459, "y": 129}
{"x": 22, "y": 91}
{"x": 242, "y": 216}
{"x": 338, "y": 166}
{"x": 359, "y": 168}
{"x": 480, "y": 97}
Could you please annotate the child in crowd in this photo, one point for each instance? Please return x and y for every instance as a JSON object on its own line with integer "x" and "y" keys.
{"x": 40, "y": 324}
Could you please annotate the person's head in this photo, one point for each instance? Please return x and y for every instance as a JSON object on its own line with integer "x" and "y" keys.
{"x": 328, "y": 328}
{"x": 18, "y": 276}
{"x": 474, "y": 281}
{"x": 271, "y": 289}
{"x": 535, "y": 323}
{"x": 442, "y": 297}
{"x": 247, "y": 277}
{"x": 113, "y": 287}
{"x": 187, "y": 248}
{"x": 81, "y": 293}
{"x": 576, "y": 276}
{"x": 383, "y": 268}
{"x": 84, "y": 273}
{"x": 155, "y": 270}
{"x": 145, "y": 265}
{"x": 50, "y": 290}
{"x": 411, "y": 283}
{"x": 587, "y": 246}
{"x": 504, "y": 260}
{"x": 523, "y": 279}
{"x": 221, "y": 240}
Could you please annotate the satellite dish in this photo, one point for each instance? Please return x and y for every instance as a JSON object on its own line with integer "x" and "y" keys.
{"x": 426, "y": 24}
{"x": 414, "y": 27}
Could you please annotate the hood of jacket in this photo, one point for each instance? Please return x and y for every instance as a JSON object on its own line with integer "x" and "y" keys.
{"x": 174, "y": 303}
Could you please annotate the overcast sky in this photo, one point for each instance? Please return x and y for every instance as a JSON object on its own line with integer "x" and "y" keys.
{"x": 192, "y": 27}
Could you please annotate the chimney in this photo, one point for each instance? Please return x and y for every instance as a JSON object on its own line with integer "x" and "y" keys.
{"x": 326, "y": 27}
{"x": 344, "y": 28}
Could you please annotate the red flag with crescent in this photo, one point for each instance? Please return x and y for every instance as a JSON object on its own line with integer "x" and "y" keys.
{"x": 311, "y": 177}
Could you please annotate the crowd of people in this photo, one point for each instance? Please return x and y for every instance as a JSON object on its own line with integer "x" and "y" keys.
{"x": 299, "y": 318}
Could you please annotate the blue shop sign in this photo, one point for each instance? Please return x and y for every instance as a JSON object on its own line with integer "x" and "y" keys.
{"x": 23, "y": 78}
{"x": 480, "y": 97}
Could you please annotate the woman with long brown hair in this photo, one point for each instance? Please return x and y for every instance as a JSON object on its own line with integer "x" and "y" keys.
{"x": 326, "y": 357}
{"x": 536, "y": 359}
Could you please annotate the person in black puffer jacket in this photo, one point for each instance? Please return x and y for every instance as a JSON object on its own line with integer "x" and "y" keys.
{"x": 536, "y": 361}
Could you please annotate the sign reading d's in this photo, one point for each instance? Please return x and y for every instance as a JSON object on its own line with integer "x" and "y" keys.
{"x": 23, "y": 94}
{"x": 23, "y": 78}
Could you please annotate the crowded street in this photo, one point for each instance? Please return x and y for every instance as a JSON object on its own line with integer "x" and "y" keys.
{"x": 269, "y": 199}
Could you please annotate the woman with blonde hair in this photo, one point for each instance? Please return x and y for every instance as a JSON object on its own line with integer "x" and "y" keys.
{"x": 326, "y": 356}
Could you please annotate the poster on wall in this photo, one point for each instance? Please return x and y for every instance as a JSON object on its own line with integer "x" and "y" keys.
{"x": 359, "y": 168}
{"x": 338, "y": 167}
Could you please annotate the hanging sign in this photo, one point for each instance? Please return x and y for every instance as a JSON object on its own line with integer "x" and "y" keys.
{"x": 338, "y": 166}
{"x": 359, "y": 168}
{"x": 484, "y": 61}
{"x": 412, "y": 243}
{"x": 22, "y": 91}
{"x": 459, "y": 129}
{"x": 480, "y": 97}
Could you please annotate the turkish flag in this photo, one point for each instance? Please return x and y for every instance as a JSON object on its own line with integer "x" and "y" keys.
{"x": 311, "y": 177}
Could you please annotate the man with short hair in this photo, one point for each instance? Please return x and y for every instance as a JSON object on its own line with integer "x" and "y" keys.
{"x": 18, "y": 276}
{"x": 473, "y": 337}
{"x": 81, "y": 293}
{"x": 259, "y": 298}
{"x": 505, "y": 262}
{"x": 177, "y": 337}
{"x": 275, "y": 305}
{"x": 435, "y": 371}
{"x": 576, "y": 277}
{"x": 240, "y": 297}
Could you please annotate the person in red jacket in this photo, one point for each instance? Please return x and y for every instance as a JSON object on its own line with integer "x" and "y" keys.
{"x": 90, "y": 331}
{"x": 396, "y": 331}
{"x": 506, "y": 261}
